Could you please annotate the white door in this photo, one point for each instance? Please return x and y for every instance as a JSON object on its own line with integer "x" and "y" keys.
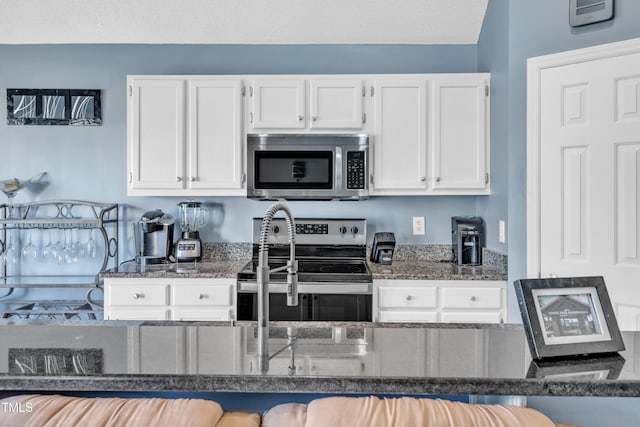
{"x": 400, "y": 129}
{"x": 278, "y": 104}
{"x": 336, "y": 104}
{"x": 215, "y": 134}
{"x": 590, "y": 176}
{"x": 156, "y": 134}
{"x": 459, "y": 158}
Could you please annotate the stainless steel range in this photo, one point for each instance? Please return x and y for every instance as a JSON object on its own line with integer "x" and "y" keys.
{"x": 334, "y": 280}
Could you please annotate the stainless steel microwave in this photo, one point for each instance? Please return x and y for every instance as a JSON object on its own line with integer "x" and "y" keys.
{"x": 308, "y": 166}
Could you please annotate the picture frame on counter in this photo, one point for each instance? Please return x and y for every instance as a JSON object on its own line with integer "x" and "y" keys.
{"x": 76, "y": 107}
{"x": 570, "y": 316}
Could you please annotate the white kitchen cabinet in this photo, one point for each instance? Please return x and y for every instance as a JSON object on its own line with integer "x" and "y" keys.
{"x": 460, "y": 127}
{"x": 466, "y": 301}
{"x": 156, "y": 134}
{"x": 169, "y": 299}
{"x": 185, "y": 136}
{"x": 303, "y": 104}
{"x": 277, "y": 104}
{"x": 400, "y": 136}
{"x": 214, "y": 135}
{"x": 431, "y": 135}
{"x": 336, "y": 104}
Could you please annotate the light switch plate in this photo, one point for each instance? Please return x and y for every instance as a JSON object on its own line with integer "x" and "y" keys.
{"x": 502, "y": 232}
{"x": 418, "y": 226}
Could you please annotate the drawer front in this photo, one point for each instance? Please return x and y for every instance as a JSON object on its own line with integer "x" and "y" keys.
{"x": 217, "y": 314}
{"x": 407, "y": 297}
{"x": 473, "y": 317}
{"x": 481, "y": 298}
{"x": 138, "y": 314}
{"x": 138, "y": 295}
{"x": 407, "y": 316}
{"x": 202, "y": 295}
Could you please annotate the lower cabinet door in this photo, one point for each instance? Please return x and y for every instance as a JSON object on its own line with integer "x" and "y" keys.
{"x": 138, "y": 314}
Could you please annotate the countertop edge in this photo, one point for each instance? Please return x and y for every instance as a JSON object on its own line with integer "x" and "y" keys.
{"x": 320, "y": 384}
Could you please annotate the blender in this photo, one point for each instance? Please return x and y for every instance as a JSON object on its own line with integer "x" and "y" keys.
{"x": 192, "y": 217}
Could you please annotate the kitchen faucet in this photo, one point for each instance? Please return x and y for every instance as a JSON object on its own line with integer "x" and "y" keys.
{"x": 263, "y": 278}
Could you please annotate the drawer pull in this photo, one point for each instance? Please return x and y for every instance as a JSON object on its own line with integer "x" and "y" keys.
{"x": 409, "y": 297}
{"x": 474, "y": 298}
{"x": 138, "y": 296}
{"x": 203, "y": 296}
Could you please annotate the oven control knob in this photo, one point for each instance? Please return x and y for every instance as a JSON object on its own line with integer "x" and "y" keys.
{"x": 276, "y": 229}
{"x": 354, "y": 230}
{"x": 342, "y": 229}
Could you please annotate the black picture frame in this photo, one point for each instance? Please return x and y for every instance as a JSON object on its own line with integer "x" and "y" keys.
{"x": 76, "y": 107}
{"x": 570, "y": 316}
{"x": 606, "y": 367}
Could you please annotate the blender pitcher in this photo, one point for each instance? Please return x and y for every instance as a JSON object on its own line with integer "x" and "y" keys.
{"x": 193, "y": 216}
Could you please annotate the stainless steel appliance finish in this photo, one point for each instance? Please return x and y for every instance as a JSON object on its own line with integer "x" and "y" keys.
{"x": 193, "y": 216}
{"x": 308, "y": 166}
{"x": 334, "y": 280}
{"x": 156, "y": 237}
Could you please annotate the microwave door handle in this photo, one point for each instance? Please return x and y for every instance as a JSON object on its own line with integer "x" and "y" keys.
{"x": 338, "y": 176}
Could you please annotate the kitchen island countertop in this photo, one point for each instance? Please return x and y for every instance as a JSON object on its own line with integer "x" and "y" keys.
{"x": 444, "y": 359}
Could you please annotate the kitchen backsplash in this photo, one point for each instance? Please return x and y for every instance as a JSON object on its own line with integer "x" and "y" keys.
{"x": 436, "y": 253}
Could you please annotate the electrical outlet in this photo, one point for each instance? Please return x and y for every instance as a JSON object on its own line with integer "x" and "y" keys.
{"x": 502, "y": 233}
{"x": 418, "y": 226}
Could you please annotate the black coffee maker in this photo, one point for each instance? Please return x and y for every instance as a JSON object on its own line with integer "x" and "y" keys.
{"x": 467, "y": 239}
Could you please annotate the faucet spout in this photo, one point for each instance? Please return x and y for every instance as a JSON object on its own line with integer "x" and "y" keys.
{"x": 263, "y": 277}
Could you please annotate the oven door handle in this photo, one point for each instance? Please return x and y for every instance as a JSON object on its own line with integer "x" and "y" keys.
{"x": 311, "y": 288}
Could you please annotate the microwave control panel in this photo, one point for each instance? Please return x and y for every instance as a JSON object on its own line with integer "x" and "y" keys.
{"x": 356, "y": 170}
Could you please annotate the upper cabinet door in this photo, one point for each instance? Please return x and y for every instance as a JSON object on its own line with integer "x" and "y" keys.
{"x": 156, "y": 133}
{"x": 214, "y": 134}
{"x": 336, "y": 104}
{"x": 400, "y": 136}
{"x": 278, "y": 104}
{"x": 460, "y": 134}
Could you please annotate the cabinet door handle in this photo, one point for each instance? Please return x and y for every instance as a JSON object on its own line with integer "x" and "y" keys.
{"x": 474, "y": 298}
{"x": 138, "y": 295}
{"x": 314, "y": 118}
{"x": 423, "y": 178}
{"x": 300, "y": 118}
{"x": 437, "y": 179}
{"x": 409, "y": 297}
{"x": 178, "y": 178}
{"x": 203, "y": 296}
{"x": 193, "y": 179}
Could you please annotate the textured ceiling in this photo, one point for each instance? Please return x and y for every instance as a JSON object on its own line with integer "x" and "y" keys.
{"x": 242, "y": 21}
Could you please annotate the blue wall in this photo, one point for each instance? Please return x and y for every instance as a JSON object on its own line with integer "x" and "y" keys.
{"x": 89, "y": 163}
{"x": 538, "y": 28}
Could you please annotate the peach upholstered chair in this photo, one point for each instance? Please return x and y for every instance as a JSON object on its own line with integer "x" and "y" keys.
{"x": 401, "y": 412}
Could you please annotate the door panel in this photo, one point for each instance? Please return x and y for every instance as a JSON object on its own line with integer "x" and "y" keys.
{"x": 590, "y": 175}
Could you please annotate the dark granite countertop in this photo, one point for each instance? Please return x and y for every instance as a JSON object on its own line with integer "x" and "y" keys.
{"x": 402, "y": 269}
{"x": 442, "y": 359}
{"x": 433, "y": 270}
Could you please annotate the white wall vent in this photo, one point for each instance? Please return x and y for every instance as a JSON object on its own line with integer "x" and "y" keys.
{"x": 583, "y": 12}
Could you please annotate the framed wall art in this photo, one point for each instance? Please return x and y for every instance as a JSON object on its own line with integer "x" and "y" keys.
{"x": 569, "y": 316}
{"x": 79, "y": 107}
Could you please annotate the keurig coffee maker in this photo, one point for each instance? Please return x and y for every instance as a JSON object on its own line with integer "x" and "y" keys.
{"x": 467, "y": 239}
{"x": 156, "y": 237}
{"x": 383, "y": 247}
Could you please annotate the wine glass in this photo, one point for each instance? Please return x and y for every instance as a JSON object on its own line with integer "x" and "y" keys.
{"x": 48, "y": 250}
{"x": 30, "y": 250}
{"x": 10, "y": 254}
{"x": 91, "y": 245}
